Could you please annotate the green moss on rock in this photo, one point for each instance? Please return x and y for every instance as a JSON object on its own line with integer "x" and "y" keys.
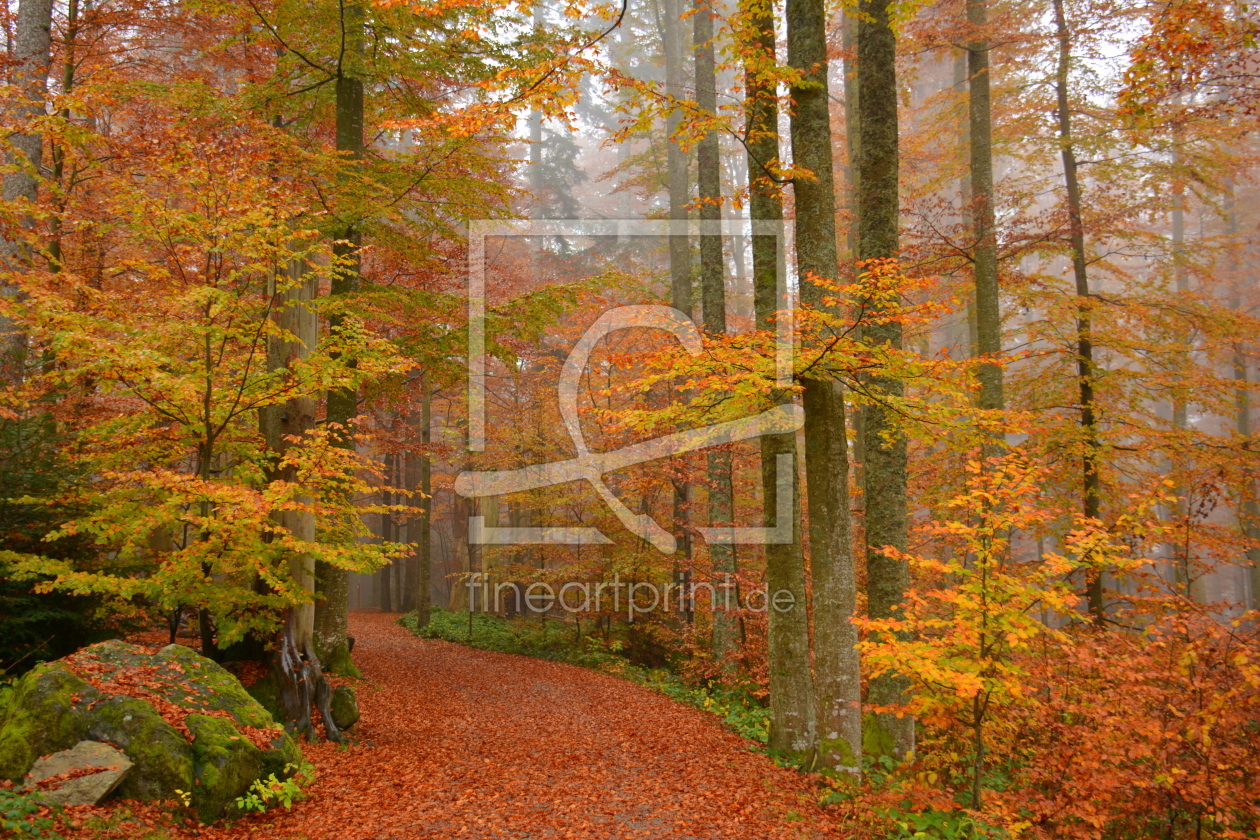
{"x": 161, "y": 754}
{"x": 344, "y": 707}
{"x": 338, "y": 661}
{"x": 51, "y": 709}
{"x": 267, "y": 694}
{"x": 44, "y": 716}
{"x": 225, "y": 765}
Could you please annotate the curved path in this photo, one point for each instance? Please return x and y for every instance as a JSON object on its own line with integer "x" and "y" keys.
{"x": 467, "y": 743}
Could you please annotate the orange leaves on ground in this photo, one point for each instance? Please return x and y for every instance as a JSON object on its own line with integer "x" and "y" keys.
{"x": 464, "y": 743}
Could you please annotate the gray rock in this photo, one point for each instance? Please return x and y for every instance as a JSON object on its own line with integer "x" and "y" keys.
{"x": 83, "y": 790}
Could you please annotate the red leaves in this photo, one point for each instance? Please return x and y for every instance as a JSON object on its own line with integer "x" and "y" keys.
{"x": 53, "y": 781}
{"x": 155, "y": 686}
{"x": 465, "y": 743}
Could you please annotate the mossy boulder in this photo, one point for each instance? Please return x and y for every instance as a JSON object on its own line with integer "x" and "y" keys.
{"x": 267, "y": 693}
{"x": 185, "y": 722}
{"x": 344, "y": 707}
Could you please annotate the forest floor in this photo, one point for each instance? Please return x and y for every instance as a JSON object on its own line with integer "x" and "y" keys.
{"x": 463, "y": 743}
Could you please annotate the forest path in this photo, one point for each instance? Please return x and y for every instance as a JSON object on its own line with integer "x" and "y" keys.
{"x": 468, "y": 743}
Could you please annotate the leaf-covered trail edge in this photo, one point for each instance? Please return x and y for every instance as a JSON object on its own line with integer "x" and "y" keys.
{"x": 477, "y": 744}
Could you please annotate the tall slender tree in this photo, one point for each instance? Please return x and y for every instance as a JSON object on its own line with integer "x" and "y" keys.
{"x": 793, "y": 727}
{"x": 983, "y": 220}
{"x": 296, "y": 667}
{"x": 884, "y": 447}
{"x": 713, "y": 304}
{"x": 331, "y": 623}
{"x": 32, "y": 57}
{"x": 1086, "y": 369}
{"x": 836, "y": 668}
{"x": 679, "y": 244}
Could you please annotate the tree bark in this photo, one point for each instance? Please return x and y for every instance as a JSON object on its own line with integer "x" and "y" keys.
{"x": 295, "y": 664}
{"x": 793, "y": 723}
{"x": 68, "y": 66}
{"x": 343, "y": 404}
{"x": 423, "y": 536}
{"x": 389, "y": 533}
{"x": 679, "y": 249}
{"x": 1248, "y": 507}
{"x": 713, "y": 309}
{"x": 983, "y": 221}
{"x": 32, "y": 57}
{"x": 1193, "y": 586}
{"x": 1086, "y": 371}
{"x": 836, "y": 664}
{"x": 884, "y": 470}
{"x": 676, "y": 160}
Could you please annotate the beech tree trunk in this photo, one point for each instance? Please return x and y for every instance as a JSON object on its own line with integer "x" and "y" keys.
{"x": 459, "y": 598}
{"x": 389, "y": 533}
{"x": 884, "y": 470}
{"x": 331, "y": 629}
{"x": 419, "y": 530}
{"x": 836, "y": 665}
{"x": 679, "y": 245}
{"x": 1191, "y": 584}
{"x": 68, "y": 66}
{"x": 1086, "y": 371}
{"x": 295, "y": 664}
{"x": 983, "y": 221}
{"x": 32, "y": 58}
{"x": 1248, "y": 507}
{"x": 793, "y": 723}
{"x": 713, "y": 308}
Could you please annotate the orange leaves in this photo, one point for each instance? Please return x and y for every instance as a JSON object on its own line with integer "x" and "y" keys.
{"x": 467, "y": 743}
{"x": 1133, "y": 729}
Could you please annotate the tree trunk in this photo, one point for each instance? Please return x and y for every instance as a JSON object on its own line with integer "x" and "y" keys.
{"x": 409, "y": 584}
{"x": 421, "y": 536}
{"x": 793, "y": 724}
{"x": 32, "y": 57}
{"x": 983, "y": 221}
{"x": 884, "y": 470}
{"x": 389, "y": 533}
{"x": 295, "y": 664}
{"x": 713, "y": 309}
{"x": 68, "y": 67}
{"x": 679, "y": 249}
{"x": 836, "y": 664}
{"x": 459, "y": 599}
{"x": 679, "y": 246}
{"x": 343, "y": 405}
{"x": 1086, "y": 371}
{"x": 1192, "y": 586}
{"x": 1248, "y": 508}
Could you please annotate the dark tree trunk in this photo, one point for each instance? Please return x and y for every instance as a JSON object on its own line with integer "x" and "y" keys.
{"x": 713, "y": 308}
{"x": 331, "y": 622}
{"x": 884, "y": 448}
{"x": 421, "y": 535}
{"x": 793, "y": 725}
{"x": 1086, "y": 370}
{"x": 679, "y": 246}
{"x": 836, "y": 667}
{"x": 983, "y": 219}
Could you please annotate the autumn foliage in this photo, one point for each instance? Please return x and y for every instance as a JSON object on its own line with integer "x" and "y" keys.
{"x": 235, "y": 248}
